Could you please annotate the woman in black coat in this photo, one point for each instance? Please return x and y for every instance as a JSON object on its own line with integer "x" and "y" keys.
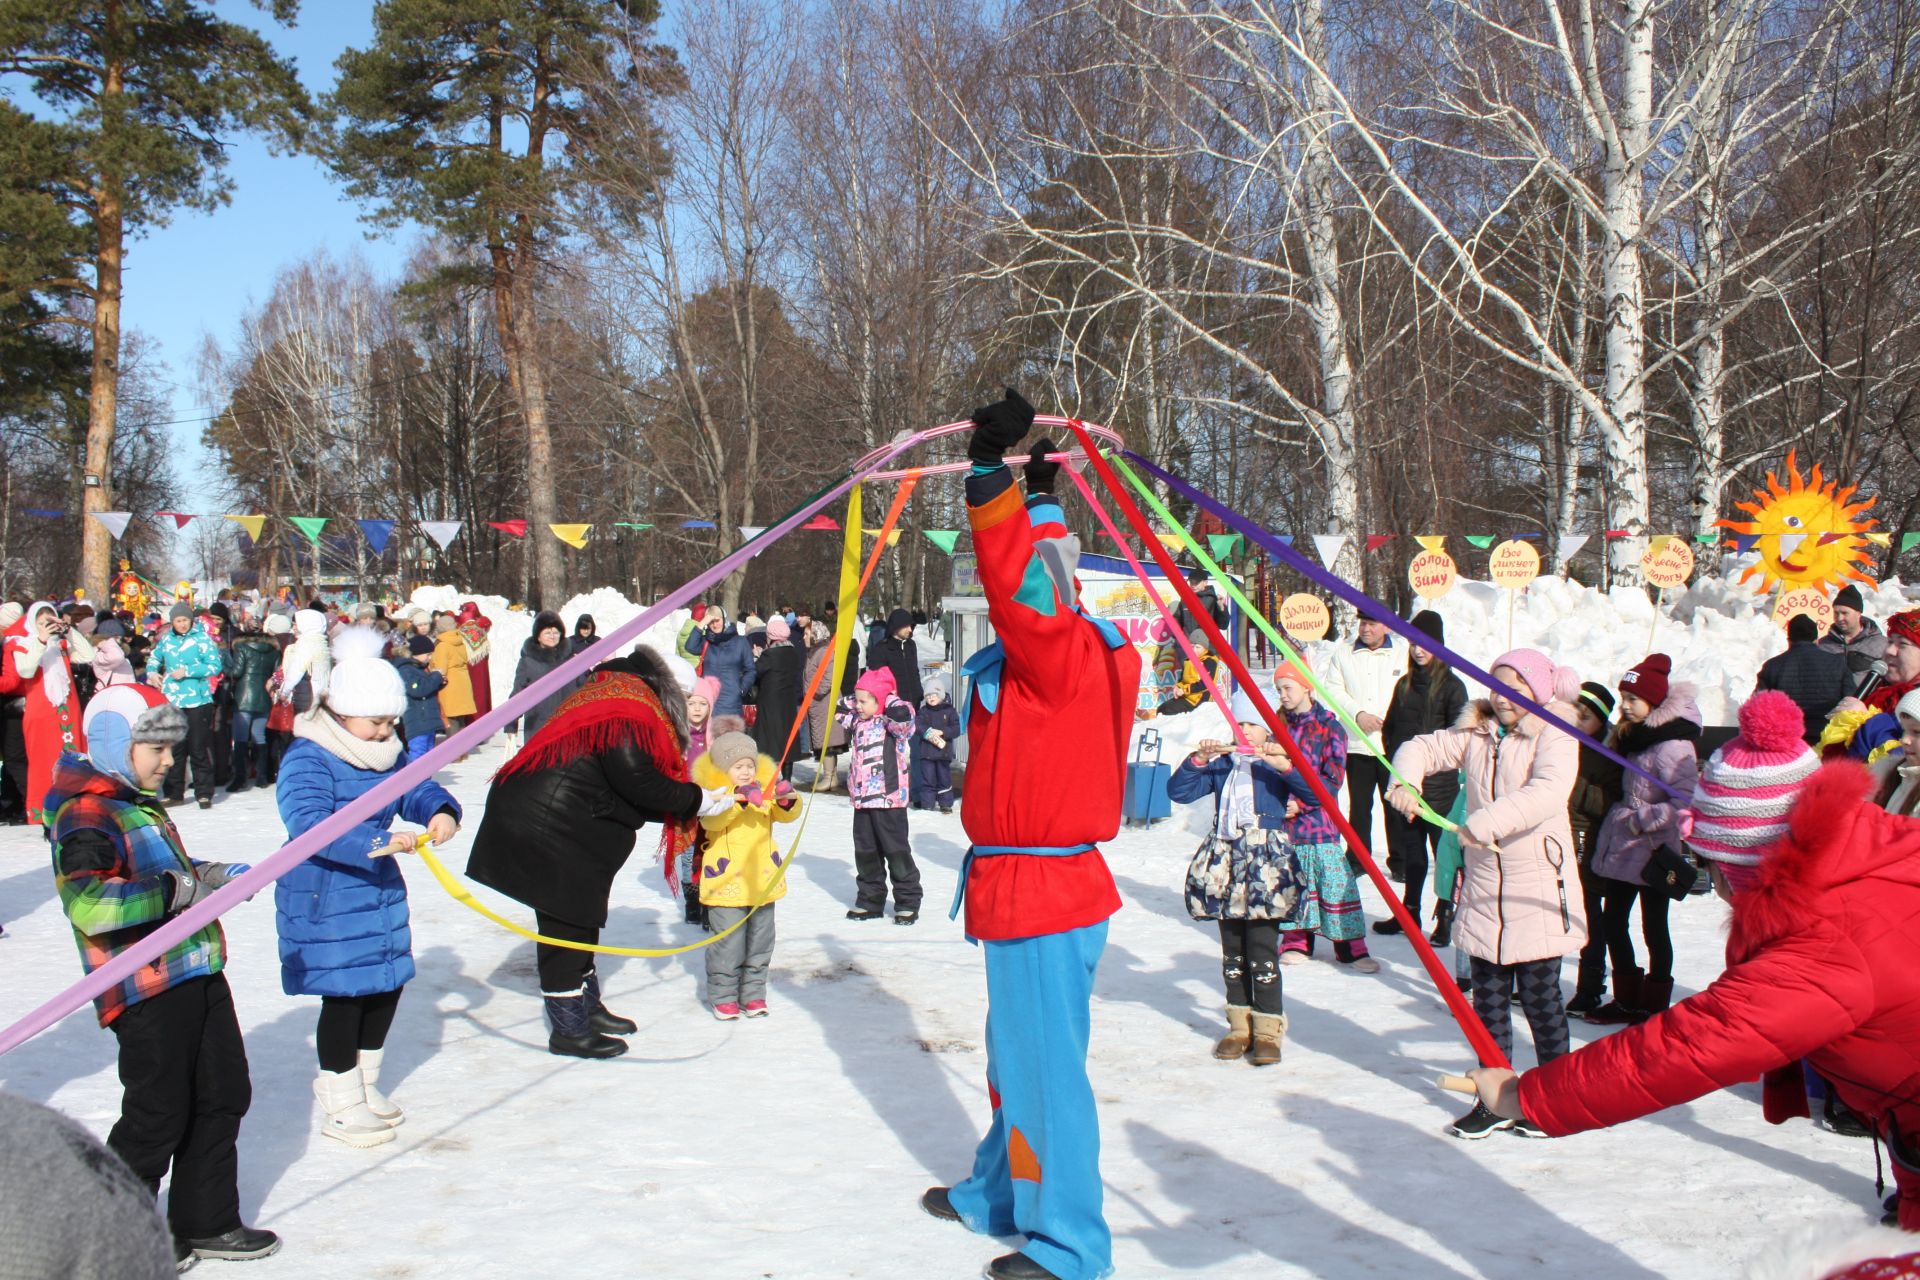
{"x": 777, "y": 690}
{"x": 586, "y": 634}
{"x": 1429, "y": 698}
{"x": 896, "y": 651}
{"x": 543, "y": 651}
{"x": 561, "y": 819}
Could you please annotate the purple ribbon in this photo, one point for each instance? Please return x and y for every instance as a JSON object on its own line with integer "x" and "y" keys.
{"x": 1359, "y": 599}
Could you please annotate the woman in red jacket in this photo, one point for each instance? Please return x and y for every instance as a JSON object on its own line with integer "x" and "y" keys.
{"x": 1821, "y": 965}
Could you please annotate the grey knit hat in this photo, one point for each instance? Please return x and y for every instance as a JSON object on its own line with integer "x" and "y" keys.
{"x": 731, "y": 748}
{"x": 73, "y": 1208}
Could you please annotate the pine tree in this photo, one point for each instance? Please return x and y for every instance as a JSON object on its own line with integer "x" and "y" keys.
{"x": 139, "y": 96}
{"x": 461, "y": 116}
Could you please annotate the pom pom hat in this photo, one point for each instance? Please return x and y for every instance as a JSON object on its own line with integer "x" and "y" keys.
{"x": 1545, "y": 682}
{"x": 363, "y": 683}
{"x": 1746, "y": 788}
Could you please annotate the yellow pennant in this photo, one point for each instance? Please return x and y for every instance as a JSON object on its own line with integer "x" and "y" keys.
{"x": 1658, "y": 542}
{"x": 893, "y": 535}
{"x": 251, "y": 524}
{"x": 1435, "y": 542}
{"x": 574, "y": 535}
{"x": 1880, "y": 539}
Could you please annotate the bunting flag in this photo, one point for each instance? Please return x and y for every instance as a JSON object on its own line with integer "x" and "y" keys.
{"x": 1570, "y": 546}
{"x": 635, "y": 525}
{"x": 1706, "y": 539}
{"x": 1329, "y": 546}
{"x": 1880, "y": 539}
{"x": 441, "y": 531}
{"x": 1224, "y": 545}
{"x": 1375, "y": 541}
{"x": 822, "y": 521}
{"x": 115, "y": 521}
{"x": 945, "y": 539}
{"x": 252, "y": 524}
{"x": 46, "y": 513}
{"x": 1435, "y": 542}
{"x": 696, "y": 524}
{"x": 1657, "y": 543}
{"x": 309, "y": 525}
{"x": 1286, "y": 538}
{"x": 1616, "y": 533}
{"x": 1907, "y": 541}
{"x": 893, "y": 535}
{"x": 574, "y": 535}
{"x": 180, "y": 519}
{"x": 1745, "y": 542}
{"x": 513, "y": 528}
{"x": 1529, "y": 537}
{"x": 1171, "y": 541}
{"x": 376, "y": 532}
{"x": 751, "y": 531}
{"x": 1480, "y": 540}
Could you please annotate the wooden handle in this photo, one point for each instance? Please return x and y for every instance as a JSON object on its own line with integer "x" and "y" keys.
{"x": 1458, "y": 1084}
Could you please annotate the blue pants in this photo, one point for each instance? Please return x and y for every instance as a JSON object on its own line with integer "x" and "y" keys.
{"x": 1037, "y": 1172}
{"x": 419, "y": 745}
{"x": 249, "y": 729}
{"x": 933, "y": 784}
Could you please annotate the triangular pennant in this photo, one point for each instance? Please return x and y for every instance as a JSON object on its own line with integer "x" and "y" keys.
{"x": 1616, "y": 533}
{"x": 1907, "y": 541}
{"x": 514, "y": 528}
{"x": 1431, "y": 541}
{"x": 376, "y": 532}
{"x": 1171, "y": 541}
{"x": 1481, "y": 540}
{"x": 893, "y": 536}
{"x": 1657, "y": 543}
{"x": 752, "y": 531}
{"x": 115, "y": 521}
{"x": 1329, "y": 546}
{"x": 635, "y": 525}
{"x": 180, "y": 519}
{"x": 1569, "y": 547}
{"x": 1745, "y": 542}
{"x": 48, "y": 513}
{"x": 1528, "y": 537}
{"x": 252, "y": 524}
{"x": 1706, "y": 539}
{"x": 1790, "y": 543}
{"x": 1375, "y": 541}
{"x": 945, "y": 539}
{"x": 441, "y": 531}
{"x": 822, "y": 521}
{"x": 696, "y": 524}
{"x": 1284, "y": 538}
{"x": 1223, "y": 545}
{"x": 309, "y": 525}
{"x": 574, "y": 535}
{"x": 1880, "y": 539}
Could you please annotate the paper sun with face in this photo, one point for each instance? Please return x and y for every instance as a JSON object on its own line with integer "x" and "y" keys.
{"x": 1808, "y": 534}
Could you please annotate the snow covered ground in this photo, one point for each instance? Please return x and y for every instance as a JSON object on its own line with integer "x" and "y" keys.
{"x": 796, "y": 1147}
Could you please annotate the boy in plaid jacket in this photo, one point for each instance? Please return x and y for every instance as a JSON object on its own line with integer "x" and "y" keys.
{"x": 121, "y": 871}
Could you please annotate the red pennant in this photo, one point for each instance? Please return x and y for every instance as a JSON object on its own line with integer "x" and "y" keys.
{"x": 518, "y": 528}
{"x": 1375, "y": 541}
{"x": 822, "y": 521}
{"x": 1825, "y": 538}
{"x": 1616, "y": 533}
{"x": 179, "y": 521}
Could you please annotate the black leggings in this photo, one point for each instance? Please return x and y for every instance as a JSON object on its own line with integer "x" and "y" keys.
{"x": 1410, "y": 839}
{"x": 1616, "y": 914}
{"x": 349, "y": 1024}
{"x": 1539, "y": 984}
{"x": 563, "y": 971}
{"x": 1250, "y": 964}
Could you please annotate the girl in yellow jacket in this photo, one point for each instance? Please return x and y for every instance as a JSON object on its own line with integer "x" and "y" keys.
{"x": 737, "y": 869}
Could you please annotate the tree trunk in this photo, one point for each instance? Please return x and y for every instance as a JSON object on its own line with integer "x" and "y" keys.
{"x": 103, "y": 388}
{"x": 1623, "y": 432}
{"x": 549, "y": 586}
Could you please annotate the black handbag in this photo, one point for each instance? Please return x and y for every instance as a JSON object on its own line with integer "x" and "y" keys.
{"x": 1670, "y": 872}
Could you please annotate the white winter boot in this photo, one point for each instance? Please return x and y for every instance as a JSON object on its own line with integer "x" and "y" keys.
{"x": 344, "y": 1098}
{"x": 377, "y": 1102}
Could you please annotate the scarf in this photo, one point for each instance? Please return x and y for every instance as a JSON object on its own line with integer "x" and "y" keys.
{"x": 614, "y": 709}
{"x": 1237, "y": 813}
{"x": 321, "y": 728}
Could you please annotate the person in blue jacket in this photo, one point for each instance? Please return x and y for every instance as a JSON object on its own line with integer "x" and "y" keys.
{"x": 936, "y": 728}
{"x": 423, "y": 684}
{"x": 727, "y": 656}
{"x": 1253, "y": 883}
{"x": 342, "y": 914}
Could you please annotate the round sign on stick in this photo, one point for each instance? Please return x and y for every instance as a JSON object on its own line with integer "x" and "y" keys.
{"x": 1432, "y": 574}
{"x": 1514, "y": 564}
{"x": 1667, "y": 562}
{"x": 1808, "y": 600}
{"x": 1304, "y": 616}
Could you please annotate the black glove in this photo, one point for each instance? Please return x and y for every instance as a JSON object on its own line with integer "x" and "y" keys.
{"x": 998, "y": 427}
{"x": 1040, "y": 472}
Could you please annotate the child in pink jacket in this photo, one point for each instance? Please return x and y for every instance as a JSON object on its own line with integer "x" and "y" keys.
{"x": 879, "y": 774}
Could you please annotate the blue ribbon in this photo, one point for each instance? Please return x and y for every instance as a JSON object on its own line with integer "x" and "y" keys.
{"x": 1000, "y": 850}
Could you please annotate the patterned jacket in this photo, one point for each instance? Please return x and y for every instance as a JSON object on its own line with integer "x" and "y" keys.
{"x": 111, "y": 846}
{"x": 878, "y": 769}
{"x": 194, "y": 653}
{"x": 1324, "y": 741}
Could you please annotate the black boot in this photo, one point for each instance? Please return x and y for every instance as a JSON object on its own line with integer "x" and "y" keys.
{"x": 601, "y": 1018}
{"x": 1018, "y": 1266}
{"x": 237, "y": 1245}
{"x": 572, "y": 1036}
{"x": 242, "y": 760}
{"x": 1625, "y": 1008}
{"x": 935, "y": 1201}
{"x": 1442, "y": 935}
{"x": 1590, "y": 989}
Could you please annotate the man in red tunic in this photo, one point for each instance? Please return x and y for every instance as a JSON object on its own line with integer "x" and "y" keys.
{"x": 1048, "y": 711}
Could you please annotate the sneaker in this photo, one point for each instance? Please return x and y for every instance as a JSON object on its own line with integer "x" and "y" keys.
{"x": 1364, "y": 964}
{"x": 1528, "y": 1129}
{"x": 861, "y": 913}
{"x": 238, "y": 1245}
{"x": 727, "y": 1011}
{"x": 1294, "y": 957}
{"x": 755, "y": 1008}
{"x": 905, "y": 917}
{"x": 1478, "y": 1123}
{"x": 184, "y": 1258}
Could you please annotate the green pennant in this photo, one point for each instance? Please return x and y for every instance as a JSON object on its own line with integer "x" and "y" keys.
{"x": 309, "y": 525}
{"x": 1907, "y": 541}
{"x": 1706, "y": 539}
{"x": 632, "y": 524}
{"x": 945, "y": 539}
{"x": 1480, "y": 540}
{"x": 1223, "y": 545}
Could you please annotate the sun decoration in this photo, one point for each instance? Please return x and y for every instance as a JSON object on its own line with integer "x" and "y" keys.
{"x": 1807, "y": 535}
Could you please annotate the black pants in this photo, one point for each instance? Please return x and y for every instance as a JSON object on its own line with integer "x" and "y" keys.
{"x": 563, "y": 971}
{"x": 880, "y": 850}
{"x": 1539, "y": 986}
{"x": 1250, "y": 964}
{"x": 1410, "y": 839}
{"x": 1367, "y": 776}
{"x": 221, "y": 743}
{"x": 1616, "y": 915}
{"x": 13, "y": 757}
{"x": 1593, "y": 956}
{"x": 184, "y": 1069}
{"x": 349, "y": 1024}
{"x": 199, "y": 745}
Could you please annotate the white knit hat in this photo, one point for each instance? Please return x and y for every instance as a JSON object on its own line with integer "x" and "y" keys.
{"x": 310, "y": 622}
{"x": 363, "y": 683}
{"x": 1909, "y": 707}
{"x": 278, "y": 624}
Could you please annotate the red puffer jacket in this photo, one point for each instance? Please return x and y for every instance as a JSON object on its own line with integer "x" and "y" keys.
{"x": 1823, "y": 963}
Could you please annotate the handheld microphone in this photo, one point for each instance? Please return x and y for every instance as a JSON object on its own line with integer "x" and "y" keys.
{"x": 1876, "y": 676}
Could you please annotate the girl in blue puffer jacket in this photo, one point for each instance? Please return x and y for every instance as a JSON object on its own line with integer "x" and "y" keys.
{"x": 342, "y": 913}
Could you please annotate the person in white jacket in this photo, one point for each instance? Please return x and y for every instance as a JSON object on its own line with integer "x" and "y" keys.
{"x": 308, "y": 658}
{"x": 1361, "y": 680}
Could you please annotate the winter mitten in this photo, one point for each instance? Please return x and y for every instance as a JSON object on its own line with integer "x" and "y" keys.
{"x": 377, "y": 1102}
{"x": 751, "y": 794}
{"x": 1040, "y": 472}
{"x": 215, "y": 874}
{"x": 184, "y": 890}
{"x": 899, "y": 712}
{"x": 783, "y": 794}
{"x": 998, "y": 427}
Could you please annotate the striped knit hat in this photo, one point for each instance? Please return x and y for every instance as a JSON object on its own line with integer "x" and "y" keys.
{"x": 1740, "y": 803}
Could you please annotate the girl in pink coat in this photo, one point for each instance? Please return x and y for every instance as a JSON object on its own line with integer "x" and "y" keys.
{"x": 1518, "y": 908}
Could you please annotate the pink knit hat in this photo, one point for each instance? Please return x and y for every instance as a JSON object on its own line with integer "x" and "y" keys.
{"x": 1545, "y": 681}
{"x": 1740, "y": 803}
{"x": 778, "y": 630}
{"x": 879, "y": 682}
{"x": 706, "y": 687}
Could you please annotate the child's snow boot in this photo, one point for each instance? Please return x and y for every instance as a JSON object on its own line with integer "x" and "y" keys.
{"x": 572, "y": 1034}
{"x": 1656, "y": 994}
{"x": 1442, "y": 935}
{"x": 601, "y": 1018}
{"x": 377, "y": 1102}
{"x": 1268, "y": 1030}
{"x": 344, "y": 1098}
{"x": 1239, "y": 1038}
{"x": 938, "y": 1204}
{"x": 1624, "y": 1008}
{"x": 1589, "y": 990}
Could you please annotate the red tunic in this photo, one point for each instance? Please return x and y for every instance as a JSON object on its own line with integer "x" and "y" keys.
{"x": 1047, "y": 767}
{"x": 49, "y": 729}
